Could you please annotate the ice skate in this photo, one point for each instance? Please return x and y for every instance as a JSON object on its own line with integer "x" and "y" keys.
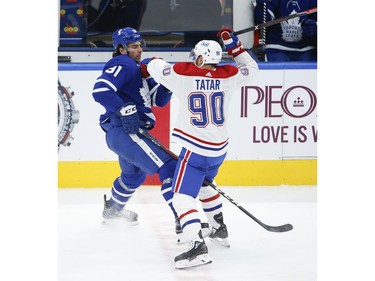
{"x": 110, "y": 213}
{"x": 197, "y": 255}
{"x": 219, "y": 236}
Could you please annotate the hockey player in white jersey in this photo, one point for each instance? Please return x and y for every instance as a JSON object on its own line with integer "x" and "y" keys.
{"x": 204, "y": 89}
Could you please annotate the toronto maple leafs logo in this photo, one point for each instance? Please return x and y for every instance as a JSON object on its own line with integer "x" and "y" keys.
{"x": 291, "y": 30}
{"x": 145, "y": 93}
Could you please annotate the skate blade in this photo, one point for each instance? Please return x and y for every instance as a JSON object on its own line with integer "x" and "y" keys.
{"x": 221, "y": 241}
{"x": 119, "y": 221}
{"x": 198, "y": 261}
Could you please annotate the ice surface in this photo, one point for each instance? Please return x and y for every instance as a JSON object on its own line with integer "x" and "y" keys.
{"x": 90, "y": 251}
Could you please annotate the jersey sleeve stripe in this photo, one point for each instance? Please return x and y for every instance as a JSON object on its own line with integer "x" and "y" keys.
{"x": 108, "y": 83}
{"x": 202, "y": 145}
{"x": 178, "y": 131}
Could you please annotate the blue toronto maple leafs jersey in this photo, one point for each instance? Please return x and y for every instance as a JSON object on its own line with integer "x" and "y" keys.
{"x": 121, "y": 82}
{"x": 289, "y": 33}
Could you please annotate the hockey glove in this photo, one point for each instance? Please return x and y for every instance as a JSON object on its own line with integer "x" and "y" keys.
{"x": 144, "y": 71}
{"x": 231, "y": 42}
{"x": 309, "y": 28}
{"x": 129, "y": 118}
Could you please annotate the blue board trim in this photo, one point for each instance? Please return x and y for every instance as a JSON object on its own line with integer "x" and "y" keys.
{"x": 262, "y": 65}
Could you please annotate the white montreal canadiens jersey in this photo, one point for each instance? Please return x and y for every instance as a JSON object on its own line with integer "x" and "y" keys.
{"x": 204, "y": 100}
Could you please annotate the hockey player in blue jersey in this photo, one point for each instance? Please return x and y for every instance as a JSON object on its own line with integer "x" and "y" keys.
{"x": 128, "y": 99}
{"x": 292, "y": 40}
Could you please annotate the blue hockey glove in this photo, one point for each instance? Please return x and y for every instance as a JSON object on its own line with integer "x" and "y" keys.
{"x": 129, "y": 118}
{"x": 309, "y": 28}
{"x": 232, "y": 44}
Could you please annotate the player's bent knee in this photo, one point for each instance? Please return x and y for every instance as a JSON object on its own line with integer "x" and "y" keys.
{"x": 207, "y": 191}
{"x": 167, "y": 170}
{"x": 133, "y": 180}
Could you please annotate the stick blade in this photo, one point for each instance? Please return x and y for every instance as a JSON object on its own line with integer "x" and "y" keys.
{"x": 281, "y": 228}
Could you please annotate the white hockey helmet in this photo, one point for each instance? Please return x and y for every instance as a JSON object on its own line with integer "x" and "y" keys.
{"x": 210, "y": 51}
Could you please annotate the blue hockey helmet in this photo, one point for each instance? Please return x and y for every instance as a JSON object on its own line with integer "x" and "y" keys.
{"x": 125, "y": 36}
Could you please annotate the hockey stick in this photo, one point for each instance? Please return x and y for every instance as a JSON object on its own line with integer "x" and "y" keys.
{"x": 276, "y": 21}
{"x": 281, "y": 228}
{"x": 262, "y": 35}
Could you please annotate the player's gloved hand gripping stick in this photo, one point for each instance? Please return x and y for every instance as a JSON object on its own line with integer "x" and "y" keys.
{"x": 232, "y": 44}
{"x": 129, "y": 117}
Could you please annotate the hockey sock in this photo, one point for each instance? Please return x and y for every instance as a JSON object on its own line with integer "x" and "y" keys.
{"x": 211, "y": 204}
{"x": 188, "y": 215}
{"x": 166, "y": 191}
{"x": 120, "y": 194}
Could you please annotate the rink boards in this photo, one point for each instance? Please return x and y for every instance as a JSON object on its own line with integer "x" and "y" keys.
{"x": 273, "y": 130}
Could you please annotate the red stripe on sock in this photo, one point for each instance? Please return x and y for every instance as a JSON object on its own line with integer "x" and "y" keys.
{"x": 187, "y": 213}
{"x": 211, "y": 198}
